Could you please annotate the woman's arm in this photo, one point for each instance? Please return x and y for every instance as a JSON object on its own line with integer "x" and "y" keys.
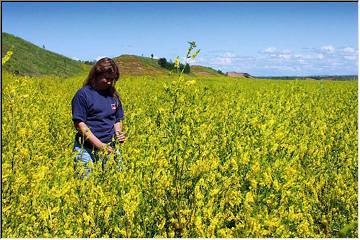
{"x": 85, "y": 131}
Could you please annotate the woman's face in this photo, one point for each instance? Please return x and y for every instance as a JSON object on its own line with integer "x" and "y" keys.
{"x": 104, "y": 81}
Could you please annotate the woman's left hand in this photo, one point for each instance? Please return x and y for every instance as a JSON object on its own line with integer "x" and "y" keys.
{"x": 121, "y": 136}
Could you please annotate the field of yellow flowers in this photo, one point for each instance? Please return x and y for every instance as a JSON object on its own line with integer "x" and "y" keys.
{"x": 210, "y": 157}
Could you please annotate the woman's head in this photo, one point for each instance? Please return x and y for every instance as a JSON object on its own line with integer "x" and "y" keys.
{"x": 103, "y": 75}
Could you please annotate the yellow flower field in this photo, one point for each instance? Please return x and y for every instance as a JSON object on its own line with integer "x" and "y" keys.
{"x": 210, "y": 157}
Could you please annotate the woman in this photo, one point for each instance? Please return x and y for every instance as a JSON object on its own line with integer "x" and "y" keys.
{"x": 97, "y": 112}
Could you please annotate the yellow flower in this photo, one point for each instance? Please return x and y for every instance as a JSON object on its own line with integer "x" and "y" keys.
{"x": 177, "y": 62}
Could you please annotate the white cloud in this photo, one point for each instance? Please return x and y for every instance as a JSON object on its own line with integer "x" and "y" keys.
{"x": 278, "y": 53}
{"x": 226, "y": 59}
{"x": 324, "y": 60}
{"x": 301, "y": 61}
{"x": 270, "y": 50}
{"x": 75, "y": 58}
{"x": 282, "y": 67}
{"x": 223, "y": 61}
{"x": 320, "y": 56}
{"x": 336, "y": 63}
{"x": 284, "y": 56}
{"x": 328, "y": 49}
{"x": 229, "y": 54}
{"x": 349, "y": 50}
{"x": 350, "y": 57}
{"x": 306, "y": 56}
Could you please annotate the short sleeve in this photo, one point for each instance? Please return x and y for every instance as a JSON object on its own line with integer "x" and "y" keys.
{"x": 119, "y": 112}
{"x": 79, "y": 107}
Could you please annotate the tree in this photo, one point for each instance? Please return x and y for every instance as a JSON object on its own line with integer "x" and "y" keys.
{"x": 187, "y": 68}
{"x": 152, "y": 55}
{"x": 171, "y": 66}
{"x": 162, "y": 62}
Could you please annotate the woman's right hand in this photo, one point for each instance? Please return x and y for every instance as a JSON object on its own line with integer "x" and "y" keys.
{"x": 106, "y": 148}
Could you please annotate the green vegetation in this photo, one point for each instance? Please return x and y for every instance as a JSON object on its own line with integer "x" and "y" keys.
{"x": 171, "y": 67}
{"x": 29, "y": 59}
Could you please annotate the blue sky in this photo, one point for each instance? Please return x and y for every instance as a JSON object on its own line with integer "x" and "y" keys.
{"x": 263, "y": 39}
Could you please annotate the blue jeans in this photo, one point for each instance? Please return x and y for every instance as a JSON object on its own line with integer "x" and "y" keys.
{"x": 84, "y": 155}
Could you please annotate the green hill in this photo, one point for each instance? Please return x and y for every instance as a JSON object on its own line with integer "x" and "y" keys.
{"x": 204, "y": 71}
{"x": 136, "y": 66}
{"x": 29, "y": 59}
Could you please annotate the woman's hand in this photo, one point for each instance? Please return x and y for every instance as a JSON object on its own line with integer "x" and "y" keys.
{"x": 106, "y": 148}
{"x": 120, "y": 136}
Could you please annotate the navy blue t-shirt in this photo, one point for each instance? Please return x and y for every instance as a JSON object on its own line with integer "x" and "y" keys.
{"x": 98, "y": 110}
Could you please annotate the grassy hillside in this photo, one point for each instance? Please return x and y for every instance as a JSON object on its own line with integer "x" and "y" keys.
{"x": 29, "y": 59}
{"x": 131, "y": 65}
{"x": 204, "y": 71}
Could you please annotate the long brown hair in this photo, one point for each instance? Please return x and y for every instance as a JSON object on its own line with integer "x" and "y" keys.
{"x": 104, "y": 66}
